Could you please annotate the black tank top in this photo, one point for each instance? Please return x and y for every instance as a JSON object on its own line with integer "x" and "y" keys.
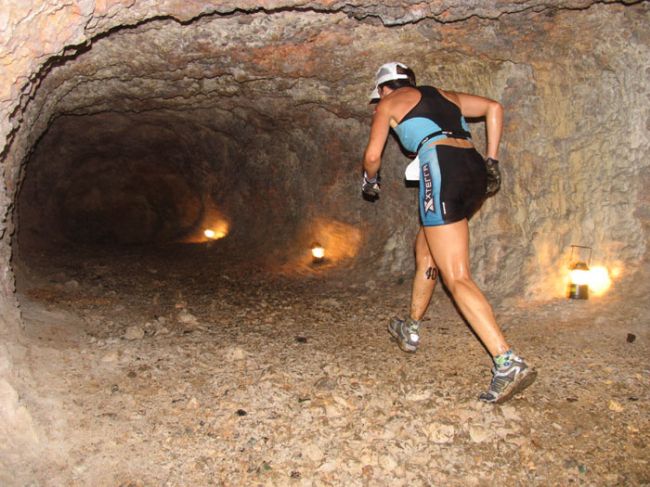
{"x": 437, "y": 108}
{"x": 434, "y": 116}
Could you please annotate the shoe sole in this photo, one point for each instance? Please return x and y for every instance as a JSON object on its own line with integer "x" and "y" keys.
{"x": 405, "y": 347}
{"x": 526, "y": 378}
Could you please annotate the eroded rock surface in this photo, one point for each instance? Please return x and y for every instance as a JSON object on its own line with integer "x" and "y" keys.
{"x": 142, "y": 121}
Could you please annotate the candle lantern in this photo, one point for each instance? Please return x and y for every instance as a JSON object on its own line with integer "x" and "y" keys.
{"x": 579, "y": 273}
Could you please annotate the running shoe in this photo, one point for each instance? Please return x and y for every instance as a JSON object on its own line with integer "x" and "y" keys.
{"x": 508, "y": 381}
{"x": 406, "y": 333}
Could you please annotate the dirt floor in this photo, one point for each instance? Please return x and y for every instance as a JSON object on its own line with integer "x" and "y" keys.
{"x": 175, "y": 370}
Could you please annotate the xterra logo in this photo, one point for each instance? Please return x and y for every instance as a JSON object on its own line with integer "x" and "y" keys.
{"x": 428, "y": 189}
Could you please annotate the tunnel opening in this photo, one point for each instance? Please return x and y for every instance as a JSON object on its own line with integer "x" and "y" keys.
{"x": 168, "y": 175}
{"x": 163, "y": 179}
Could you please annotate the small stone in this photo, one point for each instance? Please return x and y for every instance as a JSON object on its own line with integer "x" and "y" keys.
{"x": 330, "y": 303}
{"x": 326, "y": 383}
{"x": 134, "y": 333}
{"x": 342, "y": 402}
{"x": 187, "y": 318}
{"x": 417, "y": 396}
{"x": 314, "y": 453}
{"x": 441, "y": 433}
{"x": 478, "y": 434}
{"x": 235, "y": 354}
{"x": 241, "y": 412}
{"x": 615, "y": 406}
{"x": 368, "y": 457}
{"x": 329, "y": 467}
{"x": 132, "y": 483}
{"x": 110, "y": 356}
{"x": 193, "y": 403}
{"x": 71, "y": 284}
{"x": 163, "y": 330}
{"x": 332, "y": 410}
{"x": 510, "y": 413}
{"x": 387, "y": 462}
{"x": 631, "y": 337}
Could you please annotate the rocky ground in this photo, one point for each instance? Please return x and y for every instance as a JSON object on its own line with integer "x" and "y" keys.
{"x": 175, "y": 370}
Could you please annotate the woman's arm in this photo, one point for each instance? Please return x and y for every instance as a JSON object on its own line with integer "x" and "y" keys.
{"x": 378, "y": 135}
{"x": 478, "y": 106}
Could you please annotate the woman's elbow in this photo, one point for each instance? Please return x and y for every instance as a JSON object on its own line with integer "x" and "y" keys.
{"x": 495, "y": 110}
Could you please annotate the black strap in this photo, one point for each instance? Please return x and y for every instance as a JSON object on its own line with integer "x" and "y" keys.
{"x": 454, "y": 134}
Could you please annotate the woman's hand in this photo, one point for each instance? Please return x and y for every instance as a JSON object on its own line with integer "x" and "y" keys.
{"x": 493, "y": 176}
{"x": 370, "y": 186}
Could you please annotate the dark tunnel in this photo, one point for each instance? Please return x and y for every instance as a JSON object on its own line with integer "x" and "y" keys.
{"x": 176, "y": 181}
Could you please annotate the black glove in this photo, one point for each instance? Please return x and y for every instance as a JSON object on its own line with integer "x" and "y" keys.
{"x": 370, "y": 187}
{"x": 493, "y": 176}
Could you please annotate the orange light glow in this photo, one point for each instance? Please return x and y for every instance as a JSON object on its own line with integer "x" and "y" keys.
{"x": 214, "y": 234}
{"x": 327, "y": 242}
{"x": 599, "y": 280}
{"x": 616, "y": 272}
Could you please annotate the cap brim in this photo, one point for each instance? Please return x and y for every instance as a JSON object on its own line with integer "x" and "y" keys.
{"x": 375, "y": 95}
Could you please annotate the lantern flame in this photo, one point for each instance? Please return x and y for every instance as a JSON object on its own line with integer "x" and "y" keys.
{"x": 579, "y": 275}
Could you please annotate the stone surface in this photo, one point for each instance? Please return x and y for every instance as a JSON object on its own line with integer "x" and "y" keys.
{"x": 240, "y": 401}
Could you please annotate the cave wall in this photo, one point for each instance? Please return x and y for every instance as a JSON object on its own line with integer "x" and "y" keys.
{"x": 262, "y": 73}
{"x": 279, "y": 90}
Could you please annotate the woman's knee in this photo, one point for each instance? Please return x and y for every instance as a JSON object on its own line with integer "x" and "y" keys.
{"x": 457, "y": 281}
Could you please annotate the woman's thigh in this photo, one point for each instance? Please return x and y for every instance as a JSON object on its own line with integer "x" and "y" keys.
{"x": 449, "y": 246}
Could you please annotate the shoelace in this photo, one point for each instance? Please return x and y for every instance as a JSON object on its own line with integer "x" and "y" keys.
{"x": 498, "y": 384}
{"x": 498, "y": 381}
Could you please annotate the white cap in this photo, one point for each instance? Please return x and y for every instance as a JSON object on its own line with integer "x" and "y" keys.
{"x": 387, "y": 72}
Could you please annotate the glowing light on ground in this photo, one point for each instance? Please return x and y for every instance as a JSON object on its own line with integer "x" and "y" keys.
{"x": 579, "y": 276}
{"x": 318, "y": 252}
